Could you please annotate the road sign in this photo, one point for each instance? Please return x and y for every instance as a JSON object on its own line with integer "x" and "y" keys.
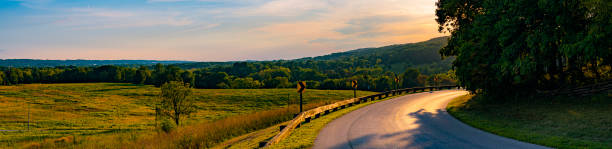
{"x": 396, "y": 79}
{"x": 354, "y": 84}
{"x": 301, "y": 86}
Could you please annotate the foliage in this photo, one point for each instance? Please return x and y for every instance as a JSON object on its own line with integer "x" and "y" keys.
{"x": 504, "y": 48}
{"x": 409, "y": 78}
{"x": 372, "y": 67}
{"x": 167, "y": 126}
{"x": 176, "y": 102}
{"x": 247, "y": 82}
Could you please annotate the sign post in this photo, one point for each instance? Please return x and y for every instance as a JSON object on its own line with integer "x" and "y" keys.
{"x": 354, "y": 85}
{"x": 435, "y": 81}
{"x": 397, "y": 81}
{"x": 301, "y": 87}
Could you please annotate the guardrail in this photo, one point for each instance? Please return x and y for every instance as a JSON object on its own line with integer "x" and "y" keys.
{"x": 306, "y": 116}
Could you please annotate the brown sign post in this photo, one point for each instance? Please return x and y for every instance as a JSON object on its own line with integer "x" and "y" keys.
{"x": 301, "y": 87}
{"x": 354, "y": 85}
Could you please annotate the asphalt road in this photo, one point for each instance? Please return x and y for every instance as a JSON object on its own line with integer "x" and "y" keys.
{"x": 412, "y": 121}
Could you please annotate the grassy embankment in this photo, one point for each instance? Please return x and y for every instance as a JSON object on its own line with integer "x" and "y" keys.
{"x": 116, "y": 115}
{"x": 560, "y": 122}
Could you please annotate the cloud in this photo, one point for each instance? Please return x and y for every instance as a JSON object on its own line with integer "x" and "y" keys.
{"x": 33, "y": 3}
{"x": 218, "y": 29}
{"x": 98, "y": 18}
{"x": 153, "y": 1}
{"x": 369, "y": 23}
{"x": 286, "y": 8}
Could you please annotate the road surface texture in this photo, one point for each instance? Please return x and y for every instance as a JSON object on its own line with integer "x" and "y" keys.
{"x": 412, "y": 121}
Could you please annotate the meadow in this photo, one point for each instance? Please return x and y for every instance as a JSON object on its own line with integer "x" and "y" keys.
{"x": 91, "y": 112}
{"x": 558, "y": 122}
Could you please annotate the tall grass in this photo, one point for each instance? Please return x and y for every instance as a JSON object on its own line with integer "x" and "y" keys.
{"x": 206, "y": 135}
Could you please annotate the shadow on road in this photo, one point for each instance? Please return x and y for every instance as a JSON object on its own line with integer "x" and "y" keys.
{"x": 431, "y": 132}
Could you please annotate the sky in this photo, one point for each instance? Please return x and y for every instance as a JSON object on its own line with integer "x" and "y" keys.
{"x": 207, "y": 30}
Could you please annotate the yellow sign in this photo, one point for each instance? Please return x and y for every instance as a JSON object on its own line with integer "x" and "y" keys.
{"x": 354, "y": 83}
{"x": 301, "y": 86}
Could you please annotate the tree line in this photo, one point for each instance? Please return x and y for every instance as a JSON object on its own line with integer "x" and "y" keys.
{"x": 239, "y": 75}
{"x": 504, "y": 48}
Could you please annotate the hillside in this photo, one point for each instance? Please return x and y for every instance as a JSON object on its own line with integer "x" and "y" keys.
{"x": 397, "y": 58}
{"x": 418, "y": 53}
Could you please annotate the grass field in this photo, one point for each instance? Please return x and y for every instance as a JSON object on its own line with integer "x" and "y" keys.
{"x": 83, "y": 110}
{"x": 560, "y": 122}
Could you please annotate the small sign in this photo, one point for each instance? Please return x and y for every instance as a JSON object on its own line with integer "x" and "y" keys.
{"x": 396, "y": 79}
{"x": 354, "y": 84}
{"x": 301, "y": 86}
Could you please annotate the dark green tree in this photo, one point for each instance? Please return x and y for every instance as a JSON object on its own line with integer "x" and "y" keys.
{"x": 505, "y": 48}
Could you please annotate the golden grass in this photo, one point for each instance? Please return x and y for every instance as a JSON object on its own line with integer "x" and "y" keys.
{"x": 116, "y": 115}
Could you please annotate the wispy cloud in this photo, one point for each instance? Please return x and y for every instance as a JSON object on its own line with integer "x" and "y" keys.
{"x": 217, "y": 29}
{"x": 165, "y": 0}
{"x": 98, "y": 18}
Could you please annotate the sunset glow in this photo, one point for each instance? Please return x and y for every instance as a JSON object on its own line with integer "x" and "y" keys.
{"x": 207, "y": 30}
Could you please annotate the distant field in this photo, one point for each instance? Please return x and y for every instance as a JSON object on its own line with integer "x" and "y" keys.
{"x": 84, "y": 109}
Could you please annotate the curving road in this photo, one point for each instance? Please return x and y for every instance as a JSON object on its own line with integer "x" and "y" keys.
{"x": 412, "y": 121}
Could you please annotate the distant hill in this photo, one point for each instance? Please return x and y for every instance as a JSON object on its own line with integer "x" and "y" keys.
{"x": 397, "y": 58}
{"x": 53, "y": 63}
{"x": 418, "y": 53}
{"x": 423, "y": 55}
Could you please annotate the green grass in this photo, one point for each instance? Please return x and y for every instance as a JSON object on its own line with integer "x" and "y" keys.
{"x": 120, "y": 110}
{"x": 559, "y": 122}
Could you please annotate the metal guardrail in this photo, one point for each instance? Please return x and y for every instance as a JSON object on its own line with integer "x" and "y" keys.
{"x": 306, "y": 116}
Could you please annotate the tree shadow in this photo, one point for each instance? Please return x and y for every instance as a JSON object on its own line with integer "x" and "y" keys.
{"x": 431, "y": 132}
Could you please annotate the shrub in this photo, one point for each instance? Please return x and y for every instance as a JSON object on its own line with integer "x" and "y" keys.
{"x": 167, "y": 126}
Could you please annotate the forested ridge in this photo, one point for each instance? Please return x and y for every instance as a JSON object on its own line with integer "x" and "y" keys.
{"x": 415, "y": 64}
{"x": 515, "y": 48}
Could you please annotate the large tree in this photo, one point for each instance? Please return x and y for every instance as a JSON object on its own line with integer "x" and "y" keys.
{"x": 409, "y": 78}
{"x": 176, "y": 102}
{"x": 519, "y": 46}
